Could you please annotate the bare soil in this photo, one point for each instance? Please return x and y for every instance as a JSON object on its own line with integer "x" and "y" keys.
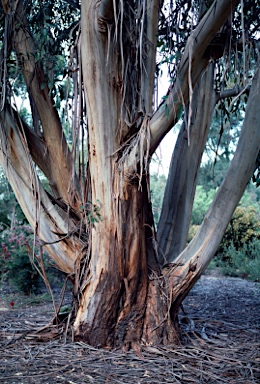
{"x": 220, "y": 324}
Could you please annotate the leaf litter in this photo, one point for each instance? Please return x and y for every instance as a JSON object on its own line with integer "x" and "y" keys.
{"x": 221, "y": 343}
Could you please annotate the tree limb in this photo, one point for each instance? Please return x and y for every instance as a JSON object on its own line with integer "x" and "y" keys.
{"x": 37, "y": 207}
{"x": 202, "y": 248}
{"x": 36, "y": 144}
{"x": 37, "y": 147}
{"x": 178, "y": 95}
{"x": 153, "y": 8}
{"x": 181, "y": 183}
{"x": 235, "y": 91}
{"x": 60, "y": 159}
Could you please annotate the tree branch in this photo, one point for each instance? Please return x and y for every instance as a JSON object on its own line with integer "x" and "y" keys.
{"x": 235, "y": 91}
{"x": 153, "y": 8}
{"x": 181, "y": 183}
{"x": 37, "y": 147}
{"x": 37, "y": 207}
{"x": 195, "y": 258}
{"x": 60, "y": 159}
{"x": 178, "y": 95}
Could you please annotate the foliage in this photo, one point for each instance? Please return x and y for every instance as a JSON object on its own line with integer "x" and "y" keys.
{"x": 15, "y": 234}
{"x": 9, "y": 208}
{"x": 202, "y": 203}
{"x": 243, "y": 262}
{"x": 251, "y": 198}
{"x": 239, "y": 251}
{"x": 211, "y": 175}
{"x": 192, "y": 231}
{"x": 16, "y": 266}
{"x": 93, "y": 210}
{"x": 242, "y": 229}
{"x": 15, "y": 263}
{"x": 53, "y": 25}
{"x": 157, "y": 186}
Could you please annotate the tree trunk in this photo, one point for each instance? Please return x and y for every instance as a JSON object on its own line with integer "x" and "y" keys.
{"x": 125, "y": 301}
{"x": 113, "y": 303}
{"x": 182, "y": 180}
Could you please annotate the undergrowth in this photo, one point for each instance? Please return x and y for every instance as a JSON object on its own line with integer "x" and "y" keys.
{"x": 242, "y": 262}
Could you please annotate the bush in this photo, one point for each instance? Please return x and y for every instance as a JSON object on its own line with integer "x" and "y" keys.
{"x": 243, "y": 262}
{"x": 244, "y": 226}
{"x": 15, "y": 263}
{"x": 192, "y": 231}
{"x": 239, "y": 251}
{"x": 242, "y": 229}
{"x": 16, "y": 267}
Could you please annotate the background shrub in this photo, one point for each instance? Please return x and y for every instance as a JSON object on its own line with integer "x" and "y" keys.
{"x": 239, "y": 251}
{"x": 242, "y": 229}
{"x": 16, "y": 267}
{"x": 242, "y": 262}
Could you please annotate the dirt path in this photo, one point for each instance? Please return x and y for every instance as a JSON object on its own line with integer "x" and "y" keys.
{"x": 221, "y": 343}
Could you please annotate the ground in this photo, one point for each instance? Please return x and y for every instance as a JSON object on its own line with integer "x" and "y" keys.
{"x": 221, "y": 342}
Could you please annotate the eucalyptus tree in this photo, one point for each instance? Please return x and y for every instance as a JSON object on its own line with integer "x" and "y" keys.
{"x": 94, "y": 147}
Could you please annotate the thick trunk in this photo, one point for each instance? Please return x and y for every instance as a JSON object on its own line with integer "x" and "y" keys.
{"x": 116, "y": 301}
{"x": 124, "y": 302}
{"x": 112, "y": 305}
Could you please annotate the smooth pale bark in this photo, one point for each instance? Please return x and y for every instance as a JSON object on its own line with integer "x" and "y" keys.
{"x": 36, "y": 144}
{"x": 152, "y": 18}
{"x": 181, "y": 183}
{"x": 117, "y": 303}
